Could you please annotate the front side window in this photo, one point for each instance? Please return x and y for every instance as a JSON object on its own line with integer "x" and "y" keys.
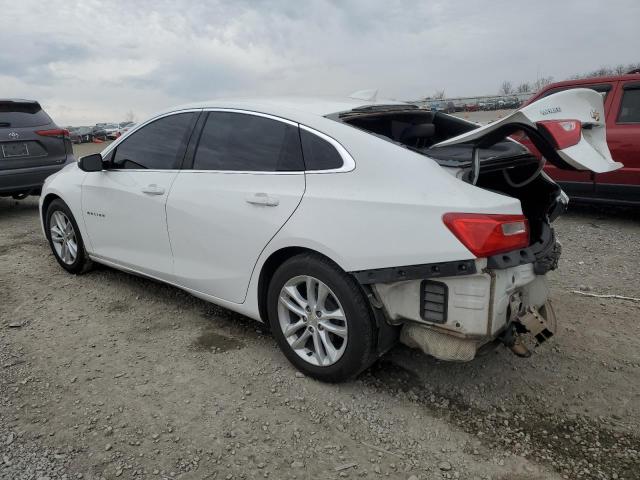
{"x": 630, "y": 106}
{"x": 318, "y": 153}
{"x": 245, "y": 142}
{"x": 156, "y": 146}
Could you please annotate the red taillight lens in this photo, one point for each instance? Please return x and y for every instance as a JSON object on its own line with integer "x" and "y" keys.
{"x": 485, "y": 234}
{"x": 566, "y": 133}
{"x": 55, "y": 132}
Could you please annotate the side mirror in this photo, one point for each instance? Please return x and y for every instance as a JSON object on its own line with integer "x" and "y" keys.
{"x": 91, "y": 163}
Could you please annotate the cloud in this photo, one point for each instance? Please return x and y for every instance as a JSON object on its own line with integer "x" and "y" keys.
{"x": 89, "y": 61}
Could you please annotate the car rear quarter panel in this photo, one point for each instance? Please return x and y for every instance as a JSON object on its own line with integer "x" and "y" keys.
{"x": 388, "y": 211}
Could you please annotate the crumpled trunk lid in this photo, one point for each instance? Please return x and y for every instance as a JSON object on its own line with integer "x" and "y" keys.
{"x": 580, "y": 108}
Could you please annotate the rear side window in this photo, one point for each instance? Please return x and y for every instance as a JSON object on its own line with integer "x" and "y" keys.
{"x": 245, "y": 142}
{"x": 158, "y": 145}
{"x": 318, "y": 153}
{"x": 22, "y": 114}
{"x": 630, "y": 106}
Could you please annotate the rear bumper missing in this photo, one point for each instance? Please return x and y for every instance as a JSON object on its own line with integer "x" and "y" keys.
{"x": 452, "y": 317}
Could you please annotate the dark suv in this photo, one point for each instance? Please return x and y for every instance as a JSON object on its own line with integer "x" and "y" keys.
{"x": 32, "y": 147}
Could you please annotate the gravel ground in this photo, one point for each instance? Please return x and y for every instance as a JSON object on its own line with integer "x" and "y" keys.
{"x": 109, "y": 376}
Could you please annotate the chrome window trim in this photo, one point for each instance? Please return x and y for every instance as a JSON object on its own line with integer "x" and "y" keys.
{"x": 122, "y": 138}
{"x": 254, "y": 113}
{"x": 186, "y": 170}
{"x": 348, "y": 163}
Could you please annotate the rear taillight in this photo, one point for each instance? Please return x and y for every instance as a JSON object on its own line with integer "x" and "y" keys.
{"x": 485, "y": 234}
{"x": 54, "y": 132}
{"x": 565, "y": 133}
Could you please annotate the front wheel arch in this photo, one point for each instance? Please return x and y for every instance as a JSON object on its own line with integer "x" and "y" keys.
{"x": 45, "y": 206}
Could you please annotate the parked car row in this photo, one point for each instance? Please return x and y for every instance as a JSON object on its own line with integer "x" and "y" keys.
{"x": 100, "y": 131}
{"x": 502, "y": 103}
{"x": 449, "y": 106}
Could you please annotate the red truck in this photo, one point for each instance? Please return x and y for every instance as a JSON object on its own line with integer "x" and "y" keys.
{"x": 622, "y": 117}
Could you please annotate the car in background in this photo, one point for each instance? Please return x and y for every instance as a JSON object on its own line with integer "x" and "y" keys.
{"x": 80, "y": 134}
{"x": 622, "y": 117}
{"x": 124, "y": 127}
{"x": 99, "y": 132}
{"x": 111, "y": 130}
{"x": 32, "y": 147}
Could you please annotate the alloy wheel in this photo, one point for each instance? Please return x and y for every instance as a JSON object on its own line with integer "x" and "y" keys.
{"x": 63, "y": 237}
{"x": 312, "y": 320}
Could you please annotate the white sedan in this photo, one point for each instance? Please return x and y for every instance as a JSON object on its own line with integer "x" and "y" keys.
{"x": 346, "y": 225}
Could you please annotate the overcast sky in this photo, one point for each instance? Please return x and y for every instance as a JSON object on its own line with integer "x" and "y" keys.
{"x": 90, "y": 61}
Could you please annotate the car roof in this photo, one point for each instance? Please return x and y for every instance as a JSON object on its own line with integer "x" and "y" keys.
{"x": 17, "y": 100}
{"x": 290, "y": 107}
{"x": 592, "y": 80}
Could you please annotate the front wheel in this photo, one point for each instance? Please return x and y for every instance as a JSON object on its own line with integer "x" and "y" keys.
{"x": 65, "y": 239}
{"x": 320, "y": 318}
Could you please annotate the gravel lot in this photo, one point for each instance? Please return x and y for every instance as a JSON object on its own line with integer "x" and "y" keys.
{"x": 108, "y": 375}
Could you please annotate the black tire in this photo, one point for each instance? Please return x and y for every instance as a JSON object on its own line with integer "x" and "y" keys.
{"x": 359, "y": 352}
{"x": 82, "y": 262}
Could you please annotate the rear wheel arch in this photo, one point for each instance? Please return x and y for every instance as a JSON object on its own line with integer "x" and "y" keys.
{"x": 361, "y": 351}
{"x": 269, "y": 267}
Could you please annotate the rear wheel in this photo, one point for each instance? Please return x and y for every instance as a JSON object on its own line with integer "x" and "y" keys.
{"x": 65, "y": 239}
{"x": 320, "y": 318}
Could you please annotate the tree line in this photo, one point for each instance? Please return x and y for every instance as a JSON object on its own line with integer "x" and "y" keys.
{"x": 508, "y": 88}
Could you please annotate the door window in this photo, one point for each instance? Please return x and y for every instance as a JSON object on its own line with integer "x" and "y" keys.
{"x": 630, "y": 106}
{"x": 158, "y": 145}
{"x": 245, "y": 142}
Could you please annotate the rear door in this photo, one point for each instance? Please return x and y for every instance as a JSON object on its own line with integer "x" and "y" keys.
{"x": 246, "y": 181}
{"x": 124, "y": 205}
{"x": 623, "y": 137}
{"x": 29, "y": 138}
{"x": 568, "y": 128}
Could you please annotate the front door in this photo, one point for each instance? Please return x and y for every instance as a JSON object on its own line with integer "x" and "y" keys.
{"x": 247, "y": 180}
{"x": 124, "y": 206}
{"x": 623, "y": 137}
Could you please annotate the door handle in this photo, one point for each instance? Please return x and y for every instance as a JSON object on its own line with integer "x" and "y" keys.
{"x": 153, "y": 189}
{"x": 263, "y": 199}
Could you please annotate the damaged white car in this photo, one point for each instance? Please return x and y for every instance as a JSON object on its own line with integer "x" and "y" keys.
{"x": 346, "y": 225}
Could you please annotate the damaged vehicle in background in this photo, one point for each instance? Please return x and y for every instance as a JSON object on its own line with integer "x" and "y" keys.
{"x": 346, "y": 225}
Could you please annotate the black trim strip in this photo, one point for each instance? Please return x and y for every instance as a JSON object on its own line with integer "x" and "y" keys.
{"x": 544, "y": 255}
{"x": 416, "y": 272}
